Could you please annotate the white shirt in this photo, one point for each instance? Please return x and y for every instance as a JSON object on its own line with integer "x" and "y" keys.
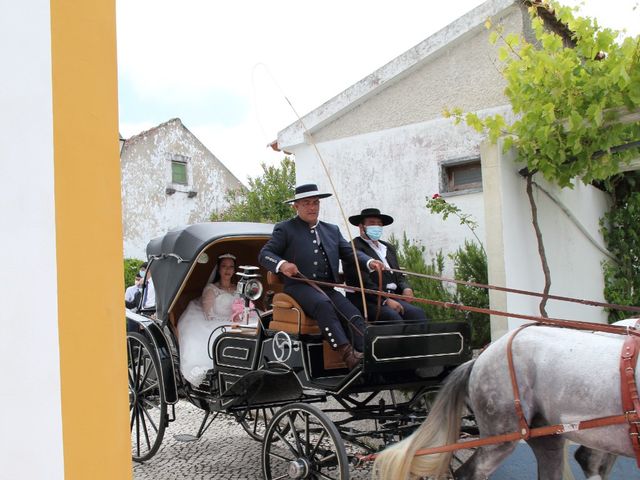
{"x": 380, "y": 249}
{"x": 149, "y": 296}
{"x": 130, "y": 293}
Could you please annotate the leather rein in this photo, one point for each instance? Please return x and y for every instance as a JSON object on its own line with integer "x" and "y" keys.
{"x": 630, "y": 406}
{"x": 558, "y": 322}
{"x": 628, "y": 360}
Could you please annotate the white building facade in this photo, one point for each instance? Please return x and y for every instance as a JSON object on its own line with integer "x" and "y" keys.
{"x": 169, "y": 179}
{"x": 386, "y": 144}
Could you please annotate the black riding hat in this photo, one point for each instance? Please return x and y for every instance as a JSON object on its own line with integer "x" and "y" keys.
{"x": 370, "y": 212}
{"x": 307, "y": 190}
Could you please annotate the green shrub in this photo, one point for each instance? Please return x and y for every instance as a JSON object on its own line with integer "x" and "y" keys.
{"x": 470, "y": 265}
{"x": 131, "y": 267}
{"x": 621, "y": 230}
{"x": 411, "y": 258}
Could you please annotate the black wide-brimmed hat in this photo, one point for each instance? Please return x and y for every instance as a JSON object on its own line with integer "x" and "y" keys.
{"x": 307, "y": 190}
{"x": 370, "y": 212}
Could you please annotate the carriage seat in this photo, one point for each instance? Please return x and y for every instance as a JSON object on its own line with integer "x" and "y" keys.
{"x": 289, "y": 317}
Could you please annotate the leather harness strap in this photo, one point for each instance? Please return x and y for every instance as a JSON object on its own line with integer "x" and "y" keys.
{"x": 629, "y": 389}
{"x": 525, "y": 430}
{"x": 379, "y": 305}
{"x": 556, "y": 322}
{"x": 630, "y": 402}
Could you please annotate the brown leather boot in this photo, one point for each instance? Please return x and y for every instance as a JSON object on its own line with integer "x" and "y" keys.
{"x": 350, "y": 357}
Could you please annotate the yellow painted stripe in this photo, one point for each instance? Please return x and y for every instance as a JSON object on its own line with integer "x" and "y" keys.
{"x": 89, "y": 241}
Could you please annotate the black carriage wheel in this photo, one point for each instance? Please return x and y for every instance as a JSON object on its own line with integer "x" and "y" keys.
{"x": 255, "y": 421}
{"x": 147, "y": 405}
{"x": 302, "y": 442}
{"x": 422, "y": 403}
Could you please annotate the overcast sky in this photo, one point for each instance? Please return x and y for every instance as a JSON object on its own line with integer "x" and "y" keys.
{"x": 224, "y": 67}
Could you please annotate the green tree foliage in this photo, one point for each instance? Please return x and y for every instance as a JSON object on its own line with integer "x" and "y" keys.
{"x": 567, "y": 95}
{"x": 621, "y": 230}
{"x": 411, "y": 258}
{"x": 131, "y": 267}
{"x": 263, "y": 200}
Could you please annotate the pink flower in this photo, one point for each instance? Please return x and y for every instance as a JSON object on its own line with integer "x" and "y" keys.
{"x": 436, "y": 196}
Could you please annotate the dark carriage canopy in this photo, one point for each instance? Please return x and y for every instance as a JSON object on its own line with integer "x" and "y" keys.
{"x": 175, "y": 252}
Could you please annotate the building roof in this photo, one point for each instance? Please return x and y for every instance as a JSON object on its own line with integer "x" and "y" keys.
{"x": 153, "y": 129}
{"x": 176, "y": 122}
{"x": 412, "y": 59}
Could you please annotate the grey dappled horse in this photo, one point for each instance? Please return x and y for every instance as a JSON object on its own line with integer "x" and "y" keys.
{"x": 564, "y": 376}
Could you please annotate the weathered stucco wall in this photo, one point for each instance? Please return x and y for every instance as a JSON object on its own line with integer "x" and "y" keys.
{"x": 461, "y": 74}
{"x": 396, "y": 170}
{"x": 147, "y": 210}
{"x": 384, "y": 139}
{"x": 574, "y": 258}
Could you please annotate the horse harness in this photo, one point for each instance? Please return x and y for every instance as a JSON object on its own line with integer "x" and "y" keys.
{"x": 628, "y": 390}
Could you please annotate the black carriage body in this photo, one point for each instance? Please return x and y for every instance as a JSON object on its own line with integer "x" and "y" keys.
{"x": 393, "y": 347}
{"x": 257, "y": 368}
{"x": 397, "y": 355}
{"x": 178, "y": 269}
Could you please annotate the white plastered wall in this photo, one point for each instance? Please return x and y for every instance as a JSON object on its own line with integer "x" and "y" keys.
{"x": 574, "y": 260}
{"x": 30, "y": 404}
{"x": 147, "y": 210}
{"x": 396, "y": 170}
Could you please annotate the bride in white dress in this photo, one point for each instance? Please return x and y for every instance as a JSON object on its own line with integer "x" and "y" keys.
{"x": 203, "y": 318}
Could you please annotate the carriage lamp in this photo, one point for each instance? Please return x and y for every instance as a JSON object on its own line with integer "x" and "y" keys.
{"x": 249, "y": 288}
{"x": 249, "y": 285}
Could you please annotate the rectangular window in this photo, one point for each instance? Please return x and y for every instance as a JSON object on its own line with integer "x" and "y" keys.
{"x": 179, "y": 172}
{"x": 462, "y": 176}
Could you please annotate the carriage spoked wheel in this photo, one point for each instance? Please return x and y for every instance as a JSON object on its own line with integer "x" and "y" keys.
{"x": 255, "y": 421}
{"x": 147, "y": 405}
{"x": 302, "y": 442}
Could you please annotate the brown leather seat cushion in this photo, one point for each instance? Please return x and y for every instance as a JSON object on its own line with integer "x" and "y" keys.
{"x": 289, "y": 317}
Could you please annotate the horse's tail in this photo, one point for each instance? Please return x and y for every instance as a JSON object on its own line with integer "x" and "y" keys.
{"x": 442, "y": 427}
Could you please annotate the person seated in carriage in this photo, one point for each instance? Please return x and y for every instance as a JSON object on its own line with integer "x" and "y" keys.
{"x": 306, "y": 247}
{"x": 371, "y": 222}
{"x": 204, "y": 317}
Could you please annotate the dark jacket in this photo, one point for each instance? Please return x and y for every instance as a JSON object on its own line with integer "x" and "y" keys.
{"x": 295, "y": 241}
{"x": 370, "y": 279}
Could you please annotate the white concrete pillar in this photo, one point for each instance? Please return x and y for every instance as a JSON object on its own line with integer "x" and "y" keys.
{"x": 63, "y": 400}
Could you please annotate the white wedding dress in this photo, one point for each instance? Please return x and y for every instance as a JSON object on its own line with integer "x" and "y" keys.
{"x": 202, "y": 317}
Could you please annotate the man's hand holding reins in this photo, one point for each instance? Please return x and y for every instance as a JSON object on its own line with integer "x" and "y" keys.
{"x": 289, "y": 269}
{"x": 375, "y": 265}
{"x": 392, "y": 304}
{"x": 407, "y": 292}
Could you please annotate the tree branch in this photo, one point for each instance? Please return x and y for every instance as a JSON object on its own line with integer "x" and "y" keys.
{"x": 541, "y": 250}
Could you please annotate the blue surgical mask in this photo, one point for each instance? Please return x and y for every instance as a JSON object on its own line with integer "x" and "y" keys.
{"x": 374, "y": 232}
{"x": 141, "y": 272}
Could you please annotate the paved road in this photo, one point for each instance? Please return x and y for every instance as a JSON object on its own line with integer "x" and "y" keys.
{"x": 226, "y": 452}
{"x": 521, "y": 466}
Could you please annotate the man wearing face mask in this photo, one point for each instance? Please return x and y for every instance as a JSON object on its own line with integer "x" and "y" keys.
{"x": 371, "y": 222}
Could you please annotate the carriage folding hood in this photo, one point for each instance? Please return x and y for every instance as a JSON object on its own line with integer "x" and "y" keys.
{"x": 173, "y": 255}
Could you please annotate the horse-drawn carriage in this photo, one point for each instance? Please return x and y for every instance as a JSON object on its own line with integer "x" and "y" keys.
{"x": 274, "y": 374}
